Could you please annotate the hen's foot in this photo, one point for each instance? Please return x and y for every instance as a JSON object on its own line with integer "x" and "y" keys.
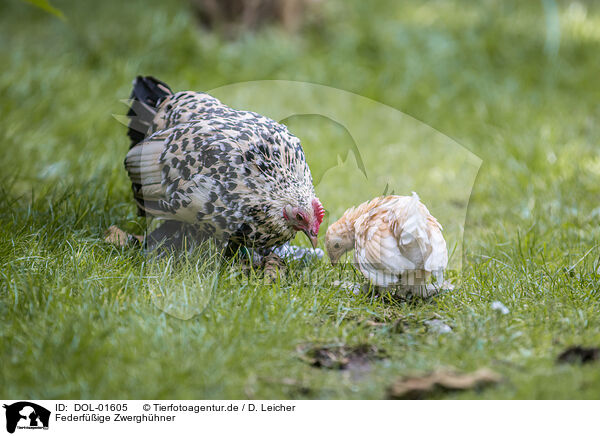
{"x": 273, "y": 267}
{"x": 121, "y": 238}
{"x": 270, "y": 265}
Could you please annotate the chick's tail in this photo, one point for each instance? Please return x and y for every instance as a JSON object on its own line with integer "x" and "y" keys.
{"x": 414, "y": 231}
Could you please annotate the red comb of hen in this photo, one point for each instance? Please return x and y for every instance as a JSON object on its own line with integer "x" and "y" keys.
{"x": 319, "y": 211}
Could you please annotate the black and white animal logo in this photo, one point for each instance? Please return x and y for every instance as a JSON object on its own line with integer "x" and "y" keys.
{"x": 26, "y": 415}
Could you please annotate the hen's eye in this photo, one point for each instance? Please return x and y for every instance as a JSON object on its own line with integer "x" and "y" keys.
{"x": 299, "y": 217}
{"x": 336, "y": 245}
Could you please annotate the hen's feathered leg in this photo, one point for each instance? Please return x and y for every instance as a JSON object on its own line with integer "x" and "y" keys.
{"x": 416, "y": 283}
{"x": 173, "y": 236}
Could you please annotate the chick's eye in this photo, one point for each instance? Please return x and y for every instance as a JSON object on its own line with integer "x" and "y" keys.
{"x": 299, "y": 217}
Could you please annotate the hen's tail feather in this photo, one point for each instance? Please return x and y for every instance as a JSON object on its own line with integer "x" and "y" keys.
{"x": 147, "y": 95}
{"x": 415, "y": 225}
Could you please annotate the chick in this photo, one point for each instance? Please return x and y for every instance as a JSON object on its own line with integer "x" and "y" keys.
{"x": 397, "y": 243}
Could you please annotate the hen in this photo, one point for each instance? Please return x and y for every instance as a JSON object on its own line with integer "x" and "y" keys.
{"x": 396, "y": 242}
{"x": 228, "y": 174}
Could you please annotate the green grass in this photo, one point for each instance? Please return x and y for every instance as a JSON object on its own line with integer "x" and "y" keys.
{"x": 77, "y": 316}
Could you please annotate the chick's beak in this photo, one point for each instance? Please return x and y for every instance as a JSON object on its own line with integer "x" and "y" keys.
{"x": 312, "y": 237}
{"x": 334, "y": 260}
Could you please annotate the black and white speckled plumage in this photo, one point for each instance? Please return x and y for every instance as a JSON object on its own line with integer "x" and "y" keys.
{"x": 228, "y": 172}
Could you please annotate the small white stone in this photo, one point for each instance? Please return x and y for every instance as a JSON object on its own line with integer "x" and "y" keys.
{"x": 498, "y": 306}
{"x": 438, "y": 326}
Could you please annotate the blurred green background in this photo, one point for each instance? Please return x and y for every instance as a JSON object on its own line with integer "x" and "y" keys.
{"x": 515, "y": 83}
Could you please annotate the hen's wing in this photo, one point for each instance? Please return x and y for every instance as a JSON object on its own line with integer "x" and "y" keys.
{"x": 171, "y": 173}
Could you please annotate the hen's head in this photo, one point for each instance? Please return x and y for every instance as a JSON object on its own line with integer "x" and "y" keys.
{"x": 305, "y": 219}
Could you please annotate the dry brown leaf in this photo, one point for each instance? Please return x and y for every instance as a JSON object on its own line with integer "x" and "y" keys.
{"x": 579, "y": 354}
{"x": 341, "y": 356}
{"x": 415, "y": 388}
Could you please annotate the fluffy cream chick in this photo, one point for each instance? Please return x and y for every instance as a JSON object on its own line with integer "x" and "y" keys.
{"x": 396, "y": 242}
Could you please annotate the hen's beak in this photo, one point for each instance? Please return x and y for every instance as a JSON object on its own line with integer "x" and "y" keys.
{"x": 312, "y": 238}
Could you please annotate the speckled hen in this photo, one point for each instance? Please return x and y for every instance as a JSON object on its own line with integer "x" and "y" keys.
{"x": 233, "y": 175}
